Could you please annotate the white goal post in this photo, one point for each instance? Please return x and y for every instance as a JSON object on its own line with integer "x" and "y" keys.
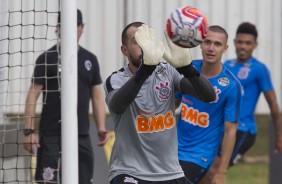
{"x": 69, "y": 92}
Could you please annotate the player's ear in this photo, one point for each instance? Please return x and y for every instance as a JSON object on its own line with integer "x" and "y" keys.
{"x": 256, "y": 44}
{"x": 226, "y": 47}
{"x": 124, "y": 50}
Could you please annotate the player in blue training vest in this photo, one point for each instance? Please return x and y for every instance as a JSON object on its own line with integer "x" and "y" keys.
{"x": 202, "y": 126}
{"x": 254, "y": 78}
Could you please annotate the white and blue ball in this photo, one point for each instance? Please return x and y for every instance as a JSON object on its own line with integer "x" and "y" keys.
{"x": 187, "y": 27}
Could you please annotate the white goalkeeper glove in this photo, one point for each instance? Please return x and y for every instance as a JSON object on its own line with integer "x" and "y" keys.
{"x": 175, "y": 55}
{"x": 152, "y": 53}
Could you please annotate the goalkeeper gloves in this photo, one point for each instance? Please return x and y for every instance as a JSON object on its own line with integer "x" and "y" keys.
{"x": 151, "y": 52}
{"x": 145, "y": 37}
{"x": 180, "y": 58}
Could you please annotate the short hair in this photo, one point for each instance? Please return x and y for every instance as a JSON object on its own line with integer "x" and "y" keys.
{"x": 124, "y": 32}
{"x": 218, "y": 29}
{"x": 247, "y": 28}
{"x": 79, "y": 17}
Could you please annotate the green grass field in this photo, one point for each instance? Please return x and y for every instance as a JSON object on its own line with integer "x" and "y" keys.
{"x": 254, "y": 168}
{"x": 248, "y": 173}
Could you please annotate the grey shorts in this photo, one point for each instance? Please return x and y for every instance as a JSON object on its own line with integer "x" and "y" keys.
{"x": 125, "y": 179}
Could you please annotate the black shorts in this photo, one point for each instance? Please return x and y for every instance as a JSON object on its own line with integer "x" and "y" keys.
{"x": 244, "y": 141}
{"x": 48, "y": 169}
{"x": 193, "y": 171}
{"x": 125, "y": 179}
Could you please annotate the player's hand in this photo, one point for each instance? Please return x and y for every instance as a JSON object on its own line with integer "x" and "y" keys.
{"x": 152, "y": 53}
{"x": 103, "y": 137}
{"x": 278, "y": 144}
{"x": 175, "y": 55}
{"x": 219, "y": 178}
{"x": 31, "y": 143}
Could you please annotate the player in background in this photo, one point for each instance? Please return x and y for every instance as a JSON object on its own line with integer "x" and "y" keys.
{"x": 255, "y": 78}
{"x": 140, "y": 97}
{"x": 201, "y": 126}
{"x": 46, "y": 79}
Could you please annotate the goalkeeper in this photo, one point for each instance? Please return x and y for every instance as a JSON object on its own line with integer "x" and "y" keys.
{"x": 140, "y": 97}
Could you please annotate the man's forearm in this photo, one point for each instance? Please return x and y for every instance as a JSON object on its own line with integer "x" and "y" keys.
{"x": 198, "y": 87}
{"x": 228, "y": 143}
{"x": 227, "y": 148}
{"x": 29, "y": 116}
{"x": 99, "y": 114}
{"x": 121, "y": 98}
{"x": 277, "y": 122}
{"x": 30, "y": 110}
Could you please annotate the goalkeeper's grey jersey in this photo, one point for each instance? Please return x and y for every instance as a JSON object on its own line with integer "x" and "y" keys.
{"x": 146, "y": 135}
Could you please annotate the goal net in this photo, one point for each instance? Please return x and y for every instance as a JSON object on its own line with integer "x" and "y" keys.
{"x": 27, "y": 29}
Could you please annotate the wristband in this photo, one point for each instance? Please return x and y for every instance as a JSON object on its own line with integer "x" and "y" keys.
{"x": 27, "y": 132}
{"x": 144, "y": 71}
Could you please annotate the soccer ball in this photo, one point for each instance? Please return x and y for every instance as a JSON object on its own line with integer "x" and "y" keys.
{"x": 187, "y": 27}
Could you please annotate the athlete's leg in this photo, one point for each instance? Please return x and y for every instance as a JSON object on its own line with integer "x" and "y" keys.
{"x": 244, "y": 141}
{"x": 86, "y": 160}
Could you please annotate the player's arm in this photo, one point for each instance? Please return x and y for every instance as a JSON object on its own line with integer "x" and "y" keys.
{"x": 270, "y": 97}
{"x": 98, "y": 107}
{"x": 198, "y": 87}
{"x": 119, "y": 99}
{"x": 177, "y": 98}
{"x": 228, "y": 142}
{"x": 30, "y": 110}
{"x": 193, "y": 83}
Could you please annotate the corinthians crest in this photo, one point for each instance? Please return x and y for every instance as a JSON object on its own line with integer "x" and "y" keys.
{"x": 48, "y": 174}
{"x": 163, "y": 90}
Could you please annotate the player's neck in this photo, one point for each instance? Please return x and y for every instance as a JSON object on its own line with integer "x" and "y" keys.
{"x": 243, "y": 60}
{"x": 133, "y": 69}
{"x": 211, "y": 69}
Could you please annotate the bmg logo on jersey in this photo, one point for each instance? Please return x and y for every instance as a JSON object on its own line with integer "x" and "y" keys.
{"x": 155, "y": 123}
{"x": 163, "y": 90}
{"x": 193, "y": 116}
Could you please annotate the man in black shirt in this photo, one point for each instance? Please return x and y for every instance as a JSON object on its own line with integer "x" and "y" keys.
{"x": 46, "y": 79}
